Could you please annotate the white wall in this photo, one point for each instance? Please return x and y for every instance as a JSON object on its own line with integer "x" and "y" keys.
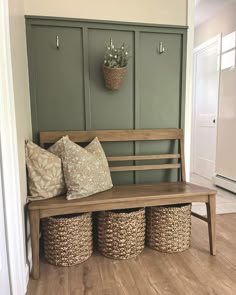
{"x": 21, "y": 88}
{"x": 149, "y": 11}
{"x": 224, "y": 21}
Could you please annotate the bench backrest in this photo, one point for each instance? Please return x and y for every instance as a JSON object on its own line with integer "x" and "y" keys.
{"x": 51, "y": 137}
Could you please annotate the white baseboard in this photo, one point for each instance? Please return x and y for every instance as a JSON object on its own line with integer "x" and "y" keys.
{"x": 224, "y": 182}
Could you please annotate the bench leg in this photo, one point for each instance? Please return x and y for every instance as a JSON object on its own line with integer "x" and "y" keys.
{"x": 211, "y": 216}
{"x": 34, "y": 232}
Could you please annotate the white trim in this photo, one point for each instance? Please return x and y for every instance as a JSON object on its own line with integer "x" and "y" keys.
{"x": 224, "y": 182}
{"x": 189, "y": 75}
{"x": 214, "y": 40}
{"x": 208, "y": 43}
{"x": 10, "y": 167}
{"x": 4, "y": 264}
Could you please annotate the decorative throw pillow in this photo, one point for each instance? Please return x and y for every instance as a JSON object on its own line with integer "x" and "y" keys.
{"x": 86, "y": 170}
{"x": 58, "y": 147}
{"x": 45, "y": 174}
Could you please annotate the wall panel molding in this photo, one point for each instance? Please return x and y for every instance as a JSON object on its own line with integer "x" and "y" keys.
{"x": 153, "y": 93}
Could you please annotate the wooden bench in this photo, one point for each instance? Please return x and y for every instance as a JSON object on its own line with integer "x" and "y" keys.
{"x": 125, "y": 196}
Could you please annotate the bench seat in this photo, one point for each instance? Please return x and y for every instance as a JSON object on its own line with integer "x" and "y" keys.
{"x": 125, "y": 196}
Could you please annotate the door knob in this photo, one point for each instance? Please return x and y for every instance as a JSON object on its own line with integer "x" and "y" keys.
{"x": 214, "y": 120}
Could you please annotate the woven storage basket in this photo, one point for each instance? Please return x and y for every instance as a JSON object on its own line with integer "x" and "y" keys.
{"x": 114, "y": 77}
{"x": 169, "y": 228}
{"x": 121, "y": 233}
{"x": 68, "y": 239}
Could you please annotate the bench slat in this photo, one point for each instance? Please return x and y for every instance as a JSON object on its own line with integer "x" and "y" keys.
{"x": 144, "y": 167}
{"x": 143, "y": 157}
{"x": 112, "y": 135}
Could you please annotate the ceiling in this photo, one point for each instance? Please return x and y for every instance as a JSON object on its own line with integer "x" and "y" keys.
{"x": 205, "y": 9}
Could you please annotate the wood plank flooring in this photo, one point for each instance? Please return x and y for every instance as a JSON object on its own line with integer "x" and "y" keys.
{"x": 225, "y": 200}
{"x": 152, "y": 273}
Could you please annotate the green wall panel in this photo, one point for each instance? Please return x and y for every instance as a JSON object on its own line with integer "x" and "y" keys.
{"x": 160, "y": 95}
{"x": 58, "y": 96}
{"x": 159, "y": 86}
{"x": 67, "y": 85}
{"x": 161, "y": 147}
{"x": 110, "y": 109}
{"x": 120, "y": 149}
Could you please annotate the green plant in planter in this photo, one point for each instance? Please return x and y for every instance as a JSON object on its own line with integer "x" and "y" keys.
{"x": 114, "y": 67}
{"x": 116, "y": 57}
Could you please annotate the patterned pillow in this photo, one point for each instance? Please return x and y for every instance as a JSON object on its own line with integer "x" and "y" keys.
{"x": 58, "y": 147}
{"x": 45, "y": 175}
{"x": 86, "y": 169}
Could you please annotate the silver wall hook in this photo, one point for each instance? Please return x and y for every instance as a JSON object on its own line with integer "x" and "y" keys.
{"x": 161, "y": 47}
{"x": 57, "y": 42}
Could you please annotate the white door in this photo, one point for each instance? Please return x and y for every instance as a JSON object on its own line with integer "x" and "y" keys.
{"x": 4, "y": 274}
{"x": 205, "y": 107}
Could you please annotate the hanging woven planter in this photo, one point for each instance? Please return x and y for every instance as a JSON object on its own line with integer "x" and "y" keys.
{"x": 114, "y": 77}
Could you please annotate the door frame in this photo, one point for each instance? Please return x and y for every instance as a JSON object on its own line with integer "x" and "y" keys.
{"x": 9, "y": 163}
{"x": 214, "y": 40}
{"x": 4, "y": 263}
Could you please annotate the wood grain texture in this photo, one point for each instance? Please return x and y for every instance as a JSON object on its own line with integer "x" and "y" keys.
{"x": 183, "y": 175}
{"x": 128, "y": 194}
{"x": 143, "y": 157}
{"x": 112, "y": 135}
{"x": 34, "y": 232}
{"x": 121, "y": 205}
{"x": 144, "y": 167}
{"x": 152, "y": 273}
{"x": 211, "y": 214}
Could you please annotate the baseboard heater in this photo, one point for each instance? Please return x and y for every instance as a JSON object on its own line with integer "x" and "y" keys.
{"x": 224, "y": 182}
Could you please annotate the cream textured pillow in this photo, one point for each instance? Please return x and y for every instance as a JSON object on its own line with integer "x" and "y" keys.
{"x": 58, "y": 147}
{"x": 45, "y": 175}
{"x": 86, "y": 169}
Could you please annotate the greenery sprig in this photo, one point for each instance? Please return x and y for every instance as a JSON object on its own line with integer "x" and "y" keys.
{"x": 116, "y": 57}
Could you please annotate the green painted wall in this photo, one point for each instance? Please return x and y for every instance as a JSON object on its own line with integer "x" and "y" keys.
{"x": 68, "y": 92}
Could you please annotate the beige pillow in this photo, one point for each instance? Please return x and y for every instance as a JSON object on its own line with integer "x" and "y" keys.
{"x": 45, "y": 175}
{"x": 58, "y": 147}
{"x": 86, "y": 169}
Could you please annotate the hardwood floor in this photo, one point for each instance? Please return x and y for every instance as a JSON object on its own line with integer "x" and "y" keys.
{"x": 225, "y": 200}
{"x": 152, "y": 273}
